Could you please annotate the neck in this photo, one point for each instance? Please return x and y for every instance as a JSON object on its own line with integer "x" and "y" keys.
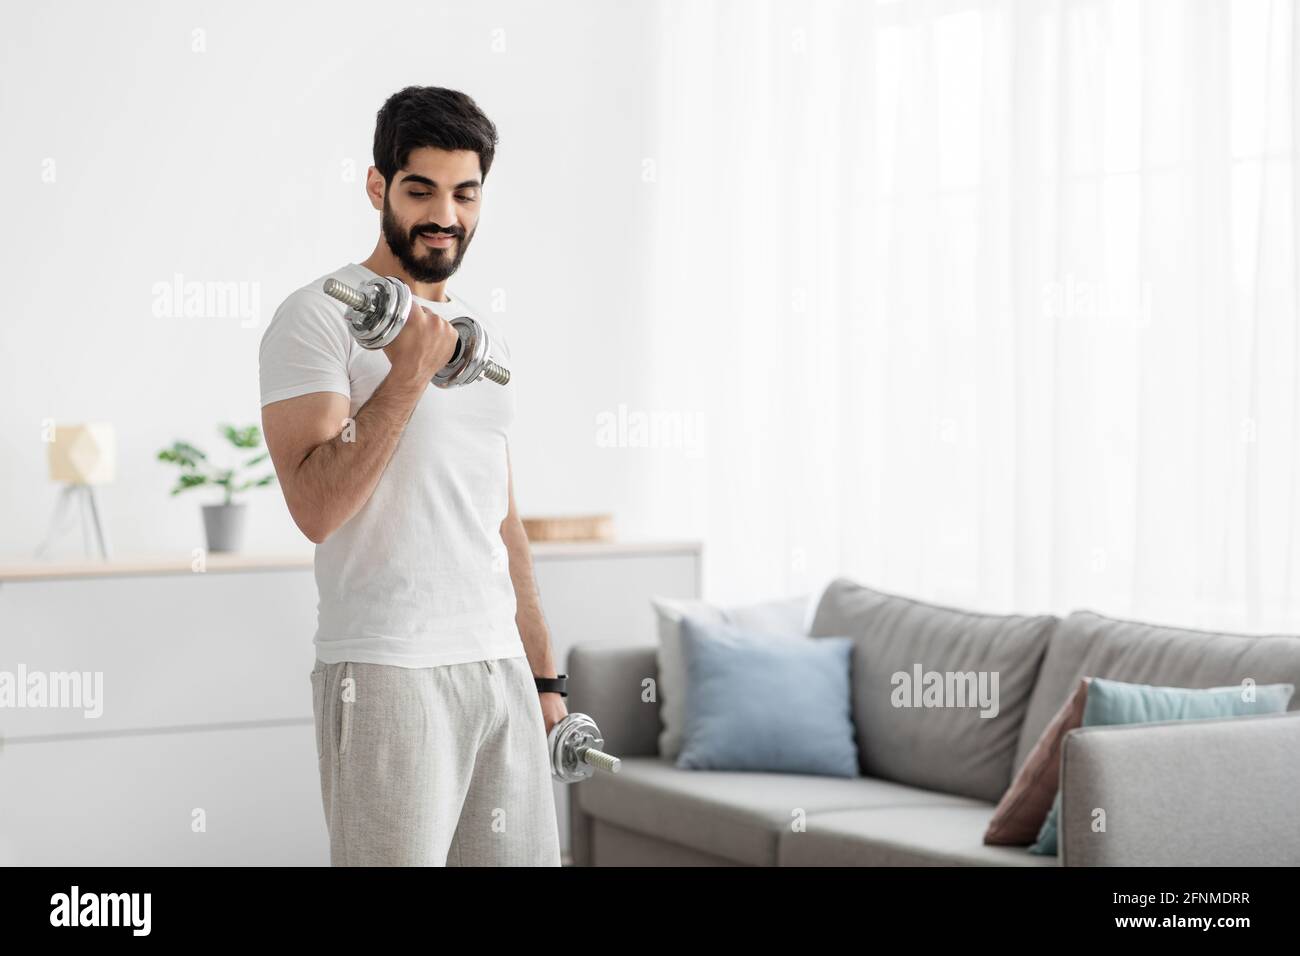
{"x": 383, "y": 262}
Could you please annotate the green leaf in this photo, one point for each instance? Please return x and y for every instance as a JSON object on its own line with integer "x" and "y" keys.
{"x": 249, "y": 437}
{"x": 258, "y": 483}
{"x": 197, "y": 470}
{"x": 188, "y": 481}
{"x": 183, "y": 454}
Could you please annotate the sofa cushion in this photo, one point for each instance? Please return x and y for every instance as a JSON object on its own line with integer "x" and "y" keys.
{"x": 1087, "y": 644}
{"x": 781, "y": 616}
{"x": 734, "y": 679}
{"x": 949, "y": 748}
{"x": 1115, "y": 702}
{"x": 733, "y": 814}
{"x": 902, "y": 836}
{"x": 1019, "y": 816}
{"x": 613, "y": 845}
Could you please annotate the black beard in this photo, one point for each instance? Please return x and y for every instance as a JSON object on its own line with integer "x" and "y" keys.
{"x": 423, "y": 264}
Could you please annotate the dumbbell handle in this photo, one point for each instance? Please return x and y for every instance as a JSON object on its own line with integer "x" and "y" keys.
{"x": 348, "y": 295}
{"x": 599, "y": 759}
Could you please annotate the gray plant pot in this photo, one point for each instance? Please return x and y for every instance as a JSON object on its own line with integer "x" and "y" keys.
{"x": 224, "y": 525}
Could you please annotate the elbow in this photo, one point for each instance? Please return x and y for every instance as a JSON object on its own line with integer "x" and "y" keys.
{"x": 310, "y": 517}
{"x": 314, "y": 519}
{"x": 317, "y": 533}
{"x": 314, "y": 528}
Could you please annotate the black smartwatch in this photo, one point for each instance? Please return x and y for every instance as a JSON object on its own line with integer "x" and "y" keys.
{"x": 553, "y": 685}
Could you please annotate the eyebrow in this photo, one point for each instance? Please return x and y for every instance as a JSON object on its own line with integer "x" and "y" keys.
{"x": 417, "y": 178}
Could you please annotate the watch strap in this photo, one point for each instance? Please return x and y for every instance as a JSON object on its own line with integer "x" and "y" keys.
{"x": 553, "y": 685}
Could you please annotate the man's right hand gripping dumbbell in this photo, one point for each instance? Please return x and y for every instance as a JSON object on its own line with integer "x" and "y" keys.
{"x": 424, "y": 346}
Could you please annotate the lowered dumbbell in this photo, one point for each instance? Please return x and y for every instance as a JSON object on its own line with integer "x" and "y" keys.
{"x": 575, "y": 744}
{"x": 378, "y": 310}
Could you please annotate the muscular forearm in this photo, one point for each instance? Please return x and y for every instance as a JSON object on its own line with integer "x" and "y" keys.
{"x": 338, "y": 476}
{"x": 528, "y": 600}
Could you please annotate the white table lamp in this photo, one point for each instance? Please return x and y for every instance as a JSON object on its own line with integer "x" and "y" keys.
{"x": 81, "y": 456}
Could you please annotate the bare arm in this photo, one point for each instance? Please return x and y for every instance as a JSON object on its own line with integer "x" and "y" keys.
{"x": 528, "y": 608}
{"x": 328, "y": 471}
{"x": 528, "y": 601}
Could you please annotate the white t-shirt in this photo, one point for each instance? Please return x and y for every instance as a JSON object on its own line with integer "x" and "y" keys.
{"x": 419, "y": 577}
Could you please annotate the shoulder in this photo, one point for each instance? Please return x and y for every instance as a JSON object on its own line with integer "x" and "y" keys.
{"x": 308, "y": 313}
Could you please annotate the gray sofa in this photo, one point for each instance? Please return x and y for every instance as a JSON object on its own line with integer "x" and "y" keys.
{"x": 1208, "y": 792}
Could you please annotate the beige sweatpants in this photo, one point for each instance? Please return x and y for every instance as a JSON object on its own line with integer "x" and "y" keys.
{"x": 434, "y": 766}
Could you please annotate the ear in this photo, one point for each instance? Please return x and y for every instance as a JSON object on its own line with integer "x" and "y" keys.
{"x": 375, "y": 187}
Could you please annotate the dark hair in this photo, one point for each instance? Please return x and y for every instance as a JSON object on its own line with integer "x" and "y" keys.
{"x": 420, "y": 116}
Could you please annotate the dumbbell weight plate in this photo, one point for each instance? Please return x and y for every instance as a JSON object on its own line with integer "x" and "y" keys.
{"x": 566, "y": 738}
{"x": 392, "y": 306}
{"x": 469, "y": 357}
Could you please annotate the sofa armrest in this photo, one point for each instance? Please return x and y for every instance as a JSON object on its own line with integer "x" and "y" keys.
{"x": 606, "y": 683}
{"x": 1220, "y": 792}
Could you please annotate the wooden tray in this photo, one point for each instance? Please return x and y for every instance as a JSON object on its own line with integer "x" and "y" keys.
{"x": 570, "y": 528}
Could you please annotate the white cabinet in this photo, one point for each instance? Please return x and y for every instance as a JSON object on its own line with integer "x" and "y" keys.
{"x": 206, "y": 703}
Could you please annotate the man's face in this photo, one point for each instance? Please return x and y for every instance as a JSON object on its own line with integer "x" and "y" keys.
{"x": 431, "y": 211}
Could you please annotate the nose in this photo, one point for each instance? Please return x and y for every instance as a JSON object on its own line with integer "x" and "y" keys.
{"x": 444, "y": 215}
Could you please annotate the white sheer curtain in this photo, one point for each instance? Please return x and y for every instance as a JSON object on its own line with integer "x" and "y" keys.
{"x": 990, "y": 302}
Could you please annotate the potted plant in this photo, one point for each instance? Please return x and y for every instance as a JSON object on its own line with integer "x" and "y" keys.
{"x": 223, "y": 523}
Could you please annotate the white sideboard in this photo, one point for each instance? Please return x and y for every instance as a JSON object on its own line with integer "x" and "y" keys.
{"x": 204, "y": 750}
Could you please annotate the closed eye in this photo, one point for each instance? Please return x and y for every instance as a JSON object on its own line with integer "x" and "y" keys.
{"x": 425, "y": 195}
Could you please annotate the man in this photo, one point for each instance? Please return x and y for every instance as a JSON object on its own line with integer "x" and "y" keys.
{"x": 430, "y": 727}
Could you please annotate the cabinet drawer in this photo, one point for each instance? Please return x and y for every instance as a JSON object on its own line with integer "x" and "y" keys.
{"x": 130, "y": 800}
{"x": 173, "y": 650}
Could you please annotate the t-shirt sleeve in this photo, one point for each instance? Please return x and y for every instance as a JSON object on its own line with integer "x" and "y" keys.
{"x": 305, "y": 349}
{"x": 500, "y": 345}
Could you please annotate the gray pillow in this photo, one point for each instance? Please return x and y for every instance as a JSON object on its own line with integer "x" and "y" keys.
{"x": 915, "y": 732}
{"x": 782, "y": 616}
{"x": 766, "y": 702}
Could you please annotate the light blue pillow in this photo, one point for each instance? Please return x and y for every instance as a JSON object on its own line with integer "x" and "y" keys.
{"x": 1114, "y": 702}
{"x": 766, "y": 702}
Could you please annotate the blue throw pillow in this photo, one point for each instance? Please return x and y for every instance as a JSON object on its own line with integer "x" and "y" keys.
{"x": 1114, "y": 702}
{"x": 766, "y": 702}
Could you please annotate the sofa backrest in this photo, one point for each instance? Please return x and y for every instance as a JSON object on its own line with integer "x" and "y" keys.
{"x": 1087, "y": 644}
{"x": 924, "y": 739}
{"x": 607, "y": 682}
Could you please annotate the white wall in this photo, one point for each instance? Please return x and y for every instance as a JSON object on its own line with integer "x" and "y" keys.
{"x": 228, "y": 165}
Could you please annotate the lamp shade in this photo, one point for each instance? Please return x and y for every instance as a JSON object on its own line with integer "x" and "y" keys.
{"x": 83, "y": 454}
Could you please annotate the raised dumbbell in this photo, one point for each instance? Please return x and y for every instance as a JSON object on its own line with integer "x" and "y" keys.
{"x": 377, "y": 312}
{"x": 575, "y": 744}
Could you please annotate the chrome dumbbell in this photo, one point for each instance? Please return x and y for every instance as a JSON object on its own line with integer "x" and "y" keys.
{"x": 575, "y": 744}
{"x": 378, "y": 310}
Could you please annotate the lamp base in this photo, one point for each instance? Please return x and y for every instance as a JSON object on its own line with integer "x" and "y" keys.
{"x": 81, "y": 499}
